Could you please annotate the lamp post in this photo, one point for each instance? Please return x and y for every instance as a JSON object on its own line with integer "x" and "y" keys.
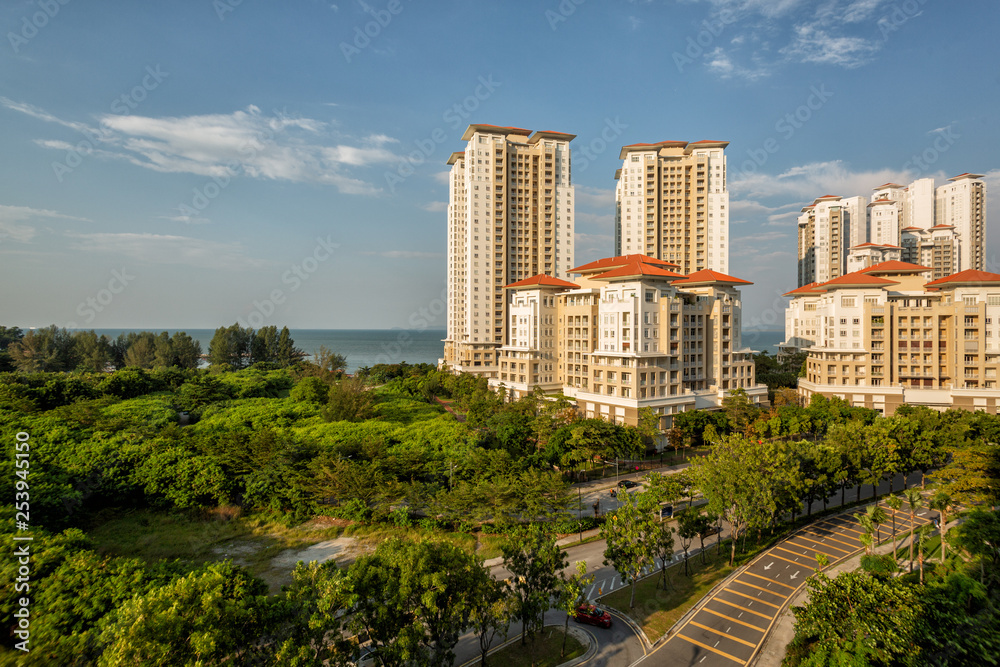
{"x": 579, "y": 518}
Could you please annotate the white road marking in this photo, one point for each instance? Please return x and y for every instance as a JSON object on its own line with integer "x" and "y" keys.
{"x": 768, "y": 566}
{"x": 792, "y": 577}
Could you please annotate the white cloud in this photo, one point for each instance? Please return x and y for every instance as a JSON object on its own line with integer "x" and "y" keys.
{"x": 595, "y": 197}
{"x": 806, "y": 182}
{"x": 168, "y": 249}
{"x": 186, "y": 219}
{"x": 11, "y": 218}
{"x": 245, "y": 142}
{"x": 764, "y": 35}
{"x": 435, "y": 206}
{"x": 814, "y": 44}
{"x": 442, "y": 177}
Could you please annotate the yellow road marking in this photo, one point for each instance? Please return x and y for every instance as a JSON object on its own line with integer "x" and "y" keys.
{"x": 734, "y": 620}
{"x": 832, "y": 539}
{"x": 727, "y": 636}
{"x": 736, "y": 606}
{"x": 792, "y": 588}
{"x": 750, "y": 597}
{"x": 822, "y": 544}
{"x": 766, "y": 590}
{"x": 709, "y": 648}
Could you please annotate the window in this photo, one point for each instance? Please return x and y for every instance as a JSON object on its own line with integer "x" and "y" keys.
{"x": 847, "y": 301}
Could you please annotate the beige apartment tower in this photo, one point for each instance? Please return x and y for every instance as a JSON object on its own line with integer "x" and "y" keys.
{"x": 510, "y": 216}
{"x": 672, "y": 203}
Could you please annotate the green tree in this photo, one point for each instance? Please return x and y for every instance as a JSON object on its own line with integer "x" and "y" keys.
{"x": 742, "y": 479}
{"x": 142, "y": 352}
{"x": 894, "y": 503}
{"x": 44, "y": 350}
{"x": 212, "y": 616}
{"x": 876, "y": 517}
{"x": 533, "y": 559}
{"x": 491, "y": 616}
{"x": 231, "y": 347}
{"x": 687, "y": 530}
{"x": 349, "y": 400}
{"x": 414, "y": 599}
{"x": 661, "y": 545}
{"x": 94, "y": 352}
{"x": 186, "y": 350}
{"x": 627, "y": 533}
{"x": 856, "y": 619}
{"x": 570, "y": 595}
{"x": 980, "y": 536}
{"x": 310, "y": 632}
{"x": 8, "y": 335}
{"x": 915, "y": 501}
{"x": 740, "y": 410}
{"x": 944, "y": 504}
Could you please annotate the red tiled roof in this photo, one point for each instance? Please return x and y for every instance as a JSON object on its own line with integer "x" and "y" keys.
{"x": 856, "y": 279}
{"x": 894, "y": 266}
{"x": 830, "y": 197}
{"x": 906, "y": 229}
{"x": 612, "y": 262}
{"x": 965, "y": 175}
{"x": 542, "y": 280}
{"x": 943, "y": 227}
{"x": 710, "y": 276}
{"x": 638, "y": 268}
{"x": 967, "y": 277}
{"x": 888, "y": 185}
{"x": 805, "y": 289}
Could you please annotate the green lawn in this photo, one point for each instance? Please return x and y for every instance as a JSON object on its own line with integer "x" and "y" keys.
{"x": 544, "y": 651}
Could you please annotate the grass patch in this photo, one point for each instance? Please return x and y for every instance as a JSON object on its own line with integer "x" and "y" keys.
{"x": 543, "y": 651}
{"x": 656, "y": 610}
{"x": 196, "y": 538}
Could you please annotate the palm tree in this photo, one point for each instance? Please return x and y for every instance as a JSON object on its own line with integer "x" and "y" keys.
{"x": 877, "y": 516}
{"x": 894, "y": 502}
{"x": 869, "y": 528}
{"x": 922, "y": 534}
{"x": 943, "y": 503}
{"x": 916, "y": 502}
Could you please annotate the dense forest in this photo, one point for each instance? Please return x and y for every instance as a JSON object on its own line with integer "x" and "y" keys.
{"x": 144, "y": 426}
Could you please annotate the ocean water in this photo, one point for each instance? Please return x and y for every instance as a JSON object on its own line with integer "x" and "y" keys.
{"x": 761, "y": 341}
{"x": 362, "y": 347}
{"x": 367, "y": 347}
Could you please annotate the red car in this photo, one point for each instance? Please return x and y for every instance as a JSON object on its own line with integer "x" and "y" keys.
{"x": 588, "y": 613}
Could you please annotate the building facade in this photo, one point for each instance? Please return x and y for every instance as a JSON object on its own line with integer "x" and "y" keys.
{"x": 888, "y": 335}
{"x": 510, "y": 216}
{"x": 672, "y": 203}
{"x": 943, "y": 228}
{"x": 629, "y": 333}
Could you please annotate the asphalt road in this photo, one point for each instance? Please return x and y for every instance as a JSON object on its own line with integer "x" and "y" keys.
{"x": 731, "y": 624}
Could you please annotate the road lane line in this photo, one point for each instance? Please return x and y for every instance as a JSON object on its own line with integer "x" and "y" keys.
{"x": 743, "y": 595}
{"x": 771, "y": 580}
{"x": 719, "y": 632}
{"x": 734, "y": 620}
{"x": 749, "y": 611}
{"x": 833, "y": 539}
{"x": 712, "y": 649}
{"x": 765, "y": 590}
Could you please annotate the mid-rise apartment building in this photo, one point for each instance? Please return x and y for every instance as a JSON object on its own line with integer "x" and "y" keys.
{"x": 630, "y": 332}
{"x": 672, "y": 203}
{"x": 888, "y": 335}
{"x": 823, "y": 234}
{"x": 961, "y": 203}
{"x": 510, "y": 216}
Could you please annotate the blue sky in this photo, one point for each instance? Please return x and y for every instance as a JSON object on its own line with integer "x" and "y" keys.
{"x": 188, "y": 164}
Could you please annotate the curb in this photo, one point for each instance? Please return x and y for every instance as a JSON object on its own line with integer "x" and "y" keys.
{"x": 622, "y": 616}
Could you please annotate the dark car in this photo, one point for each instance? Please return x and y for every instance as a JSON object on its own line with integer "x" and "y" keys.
{"x": 627, "y": 484}
{"x": 711, "y": 530}
{"x": 667, "y": 512}
{"x": 591, "y": 615}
